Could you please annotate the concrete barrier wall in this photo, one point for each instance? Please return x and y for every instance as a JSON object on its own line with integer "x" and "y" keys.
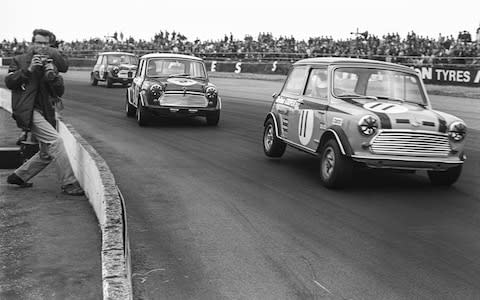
{"x": 99, "y": 184}
{"x": 5, "y": 100}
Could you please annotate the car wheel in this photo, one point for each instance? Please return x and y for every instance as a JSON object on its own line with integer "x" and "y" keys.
{"x": 213, "y": 118}
{"x": 129, "y": 109}
{"x": 272, "y": 146}
{"x": 109, "y": 82}
{"x": 445, "y": 178}
{"x": 93, "y": 80}
{"x": 143, "y": 116}
{"x": 335, "y": 168}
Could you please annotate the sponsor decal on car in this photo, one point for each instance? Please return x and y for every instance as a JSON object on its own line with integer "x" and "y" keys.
{"x": 305, "y": 126}
{"x": 337, "y": 121}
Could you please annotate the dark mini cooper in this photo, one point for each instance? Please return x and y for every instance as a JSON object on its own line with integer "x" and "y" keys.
{"x": 114, "y": 67}
{"x": 172, "y": 84}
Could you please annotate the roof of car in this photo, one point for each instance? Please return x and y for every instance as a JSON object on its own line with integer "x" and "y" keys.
{"x": 115, "y": 53}
{"x": 170, "y": 55}
{"x": 338, "y": 60}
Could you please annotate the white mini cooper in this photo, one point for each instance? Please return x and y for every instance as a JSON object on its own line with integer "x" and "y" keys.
{"x": 355, "y": 111}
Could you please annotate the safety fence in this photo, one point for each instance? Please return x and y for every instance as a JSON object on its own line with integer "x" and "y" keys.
{"x": 442, "y": 74}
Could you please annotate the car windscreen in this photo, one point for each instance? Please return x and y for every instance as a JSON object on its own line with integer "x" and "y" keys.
{"x": 162, "y": 67}
{"x": 378, "y": 83}
{"x": 122, "y": 59}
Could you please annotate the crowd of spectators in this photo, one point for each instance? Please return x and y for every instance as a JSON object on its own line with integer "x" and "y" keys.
{"x": 412, "y": 49}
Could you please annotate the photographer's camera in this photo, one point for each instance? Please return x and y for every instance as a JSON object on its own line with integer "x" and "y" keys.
{"x": 45, "y": 64}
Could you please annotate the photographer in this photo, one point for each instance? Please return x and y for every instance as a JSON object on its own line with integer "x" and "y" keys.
{"x": 36, "y": 87}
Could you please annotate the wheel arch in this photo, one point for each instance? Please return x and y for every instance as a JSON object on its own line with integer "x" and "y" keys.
{"x": 336, "y": 132}
{"x": 276, "y": 121}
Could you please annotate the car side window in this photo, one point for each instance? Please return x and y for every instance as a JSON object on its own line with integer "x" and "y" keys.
{"x": 295, "y": 81}
{"x": 317, "y": 84}
{"x": 345, "y": 81}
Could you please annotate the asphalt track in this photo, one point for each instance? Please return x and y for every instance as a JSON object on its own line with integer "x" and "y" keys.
{"x": 210, "y": 217}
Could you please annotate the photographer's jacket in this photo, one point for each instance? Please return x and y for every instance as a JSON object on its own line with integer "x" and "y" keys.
{"x": 32, "y": 91}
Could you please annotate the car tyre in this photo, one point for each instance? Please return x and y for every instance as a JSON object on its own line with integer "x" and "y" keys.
{"x": 143, "y": 116}
{"x": 93, "y": 80}
{"x": 335, "y": 168}
{"x": 129, "y": 108}
{"x": 272, "y": 145}
{"x": 445, "y": 178}
{"x": 213, "y": 118}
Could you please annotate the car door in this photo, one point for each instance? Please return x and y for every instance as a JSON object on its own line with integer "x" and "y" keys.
{"x": 287, "y": 101}
{"x": 138, "y": 81}
{"x": 310, "y": 113}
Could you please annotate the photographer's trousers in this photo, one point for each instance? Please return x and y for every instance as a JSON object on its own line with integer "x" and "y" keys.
{"x": 52, "y": 149}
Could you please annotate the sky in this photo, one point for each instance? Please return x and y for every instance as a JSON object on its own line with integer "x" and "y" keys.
{"x": 212, "y": 19}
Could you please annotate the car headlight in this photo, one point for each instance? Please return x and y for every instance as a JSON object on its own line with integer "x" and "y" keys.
{"x": 367, "y": 125}
{"x": 457, "y": 131}
{"x": 115, "y": 71}
{"x": 156, "y": 90}
{"x": 211, "y": 93}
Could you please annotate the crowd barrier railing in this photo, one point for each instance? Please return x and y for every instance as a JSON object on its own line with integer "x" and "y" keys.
{"x": 442, "y": 74}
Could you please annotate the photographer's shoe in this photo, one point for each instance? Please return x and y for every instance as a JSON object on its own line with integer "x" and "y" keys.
{"x": 14, "y": 179}
{"x": 73, "y": 189}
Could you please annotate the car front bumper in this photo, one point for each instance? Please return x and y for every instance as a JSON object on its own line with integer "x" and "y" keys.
{"x": 180, "y": 110}
{"x": 121, "y": 79}
{"x": 409, "y": 163}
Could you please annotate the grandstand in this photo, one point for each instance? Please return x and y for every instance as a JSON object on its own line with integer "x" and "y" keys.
{"x": 412, "y": 49}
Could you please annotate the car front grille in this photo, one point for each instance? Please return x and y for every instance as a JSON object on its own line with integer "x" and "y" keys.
{"x": 412, "y": 143}
{"x": 125, "y": 74}
{"x": 184, "y": 100}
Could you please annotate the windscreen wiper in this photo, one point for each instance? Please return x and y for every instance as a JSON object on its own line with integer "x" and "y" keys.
{"x": 357, "y": 96}
{"x": 391, "y": 98}
{"x": 401, "y": 100}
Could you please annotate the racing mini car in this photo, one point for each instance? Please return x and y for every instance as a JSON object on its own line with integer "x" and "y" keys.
{"x": 356, "y": 112}
{"x": 172, "y": 84}
{"x": 114, "y": 67}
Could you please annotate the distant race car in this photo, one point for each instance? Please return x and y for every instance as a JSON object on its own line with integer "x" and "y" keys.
{"x": 172, "y": 84}
{"x": 362, "y": 112}
{"x": 114, "y": 67}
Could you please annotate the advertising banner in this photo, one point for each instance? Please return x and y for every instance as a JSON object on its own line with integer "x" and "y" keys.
{"x": 273, "y": 67}
{"x": 467, "y": 76}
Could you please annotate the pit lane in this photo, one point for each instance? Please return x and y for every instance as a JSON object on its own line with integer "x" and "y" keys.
{"x": 210, "y": 217}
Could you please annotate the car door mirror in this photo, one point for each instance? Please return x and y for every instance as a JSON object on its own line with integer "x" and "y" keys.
{"x": 274, "y": 95}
